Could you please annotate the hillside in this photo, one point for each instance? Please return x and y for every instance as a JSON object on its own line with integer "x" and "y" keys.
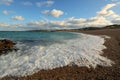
{"x": 81, "y": 29}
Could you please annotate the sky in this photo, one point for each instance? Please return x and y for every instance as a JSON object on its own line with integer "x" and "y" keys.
{"x": 18, "y": 15}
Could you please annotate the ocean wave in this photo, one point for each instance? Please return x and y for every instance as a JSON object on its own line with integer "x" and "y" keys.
{"x": 85, "y": 50}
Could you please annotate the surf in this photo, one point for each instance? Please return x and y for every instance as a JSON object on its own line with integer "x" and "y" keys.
{"x": 46, "y": 51}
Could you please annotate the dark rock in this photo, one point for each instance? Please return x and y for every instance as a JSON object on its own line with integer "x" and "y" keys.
{"x": 6, "y": 46}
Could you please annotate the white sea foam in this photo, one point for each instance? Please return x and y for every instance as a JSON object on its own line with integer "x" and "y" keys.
{"x": 85, "y": 50}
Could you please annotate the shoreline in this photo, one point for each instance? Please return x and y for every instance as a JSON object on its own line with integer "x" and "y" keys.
{"x": 84, "y": 73}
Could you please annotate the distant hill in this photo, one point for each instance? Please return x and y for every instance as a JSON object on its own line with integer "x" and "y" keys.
{"x": 81, "y": 29}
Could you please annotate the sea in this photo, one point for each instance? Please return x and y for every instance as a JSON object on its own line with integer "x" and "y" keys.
{"x": 49, "y": 50}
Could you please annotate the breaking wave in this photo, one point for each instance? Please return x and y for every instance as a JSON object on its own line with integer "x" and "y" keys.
{"x": 32, "y": 56}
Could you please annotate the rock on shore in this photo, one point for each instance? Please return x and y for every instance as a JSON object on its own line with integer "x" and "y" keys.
{"x": 6, "y": 46}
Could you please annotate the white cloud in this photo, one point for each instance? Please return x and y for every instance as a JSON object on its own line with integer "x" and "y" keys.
{"x": 116, "y": 21}
{"x": 4, "y": 24}
{"x": 100, "y": 20}
{"x": 45, "y": 3}
{"x": 76, "y": 21}
{"x": 12, "y": 27}
{"x": 42, "y": 22}
{"x": 17, "y": 18}
{"x": 27, "y": 3}
{"x": 5, "y": 12}
{"x": 112, "y": 14}
{"x": 70, "y": 23}
{"x": 6, "y": 2}
{"x": 55, "y": 13}
{"x": 106, "y": 12}
{"x": 64, "y": 24}
{"x": 49, "y": 3}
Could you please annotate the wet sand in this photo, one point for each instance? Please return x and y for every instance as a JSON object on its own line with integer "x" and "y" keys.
{"x": 82, "y": 73}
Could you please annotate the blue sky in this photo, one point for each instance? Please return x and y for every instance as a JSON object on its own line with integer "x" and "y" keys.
{"x": 57, "y": 14}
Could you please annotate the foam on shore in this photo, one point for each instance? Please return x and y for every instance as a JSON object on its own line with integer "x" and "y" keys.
{"x": 85, "y": 50}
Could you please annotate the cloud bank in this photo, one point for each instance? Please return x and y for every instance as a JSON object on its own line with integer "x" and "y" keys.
{"x": 104, "y": 17}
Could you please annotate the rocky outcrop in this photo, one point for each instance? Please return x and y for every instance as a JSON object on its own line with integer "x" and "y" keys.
{"x": 6, "y": 46}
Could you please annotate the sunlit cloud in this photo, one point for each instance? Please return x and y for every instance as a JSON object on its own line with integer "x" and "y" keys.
{"x": 106, "y": 12}
{"x": 20, "y": 18}
{"x": 55, "y": 13}
{"x": 106, "y": 16}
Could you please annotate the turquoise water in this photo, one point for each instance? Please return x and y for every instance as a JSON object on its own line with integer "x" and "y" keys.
{"x": 51, "y": 36}
{"x": 48, "y": 50}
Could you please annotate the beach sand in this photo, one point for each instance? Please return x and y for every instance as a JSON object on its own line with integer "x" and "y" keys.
{"x": 82, "y": 73}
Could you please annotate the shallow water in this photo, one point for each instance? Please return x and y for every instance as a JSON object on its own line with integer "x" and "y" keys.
{"x": 48, "y": 50}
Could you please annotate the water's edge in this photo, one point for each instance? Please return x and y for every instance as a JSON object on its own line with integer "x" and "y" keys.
{"x": 53, "y": 50}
